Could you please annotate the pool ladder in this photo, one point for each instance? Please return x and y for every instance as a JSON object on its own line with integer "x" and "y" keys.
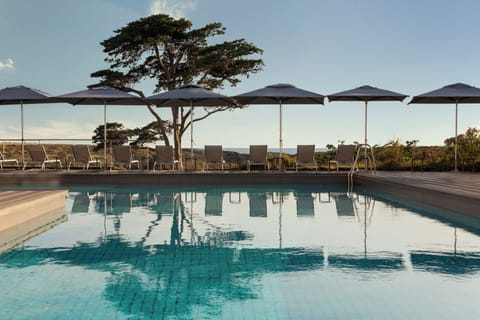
{"x": 370, "y": 164}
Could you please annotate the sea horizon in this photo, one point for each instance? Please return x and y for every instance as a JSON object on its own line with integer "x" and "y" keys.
{"x": 286, "y": 150}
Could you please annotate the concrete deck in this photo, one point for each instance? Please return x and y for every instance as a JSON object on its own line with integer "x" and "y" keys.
{"x": 24, "y": 214}
{"x": 454, "y": 191}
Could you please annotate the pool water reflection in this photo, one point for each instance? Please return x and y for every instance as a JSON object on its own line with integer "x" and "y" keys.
{"x": 243, "y": 253}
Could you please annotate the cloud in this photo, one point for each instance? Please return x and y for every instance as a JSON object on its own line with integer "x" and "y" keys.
{"x": 8, "y": 64}
{"x": 173, "y": 8}
{"x": 49, "y": 129}
{"x": 53, "y": 129}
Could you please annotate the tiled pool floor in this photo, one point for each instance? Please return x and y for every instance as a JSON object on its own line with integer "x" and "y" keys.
{"x": 251, "y": 253}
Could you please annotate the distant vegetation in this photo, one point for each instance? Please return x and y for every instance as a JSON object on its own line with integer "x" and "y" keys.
{"x": 393, "y": 155}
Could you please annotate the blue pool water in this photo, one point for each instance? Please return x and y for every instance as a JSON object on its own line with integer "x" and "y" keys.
{"x": 243, "y": 253}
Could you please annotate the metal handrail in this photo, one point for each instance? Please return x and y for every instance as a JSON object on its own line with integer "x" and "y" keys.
{"x": 370, "y": 163}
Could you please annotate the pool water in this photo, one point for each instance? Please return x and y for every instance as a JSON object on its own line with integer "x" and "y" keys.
{"x": 243, "y": 253}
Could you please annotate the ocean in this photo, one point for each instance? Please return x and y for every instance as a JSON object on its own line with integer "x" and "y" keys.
{"x": 286, "y": 150}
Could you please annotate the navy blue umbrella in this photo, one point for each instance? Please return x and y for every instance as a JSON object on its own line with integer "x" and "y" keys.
{"x": 190, "y": 95}
{"x": 100, "y": 96}
{"x": 22, "y": 95}
{"x": 366, "y": 94}
{"x": 454, "y": 93}
{"x": 281, "y": 93}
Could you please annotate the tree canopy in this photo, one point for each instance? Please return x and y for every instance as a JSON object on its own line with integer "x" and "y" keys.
{"x": 172, "y": 53}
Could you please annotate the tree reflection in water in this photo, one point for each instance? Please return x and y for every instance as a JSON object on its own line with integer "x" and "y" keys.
{"x": 179, "y": 278}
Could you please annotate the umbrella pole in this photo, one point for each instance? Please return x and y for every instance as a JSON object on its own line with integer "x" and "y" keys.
{"x": 456, "y": 134}
{"x": 21, "y": 128}
{"x": 365, "y": 228}
{"x": 191, "y": 134}
{"x": 366, "y": 139}
{"x": 105, "y": 134}
{"x": 280, "y": 222}
{"x": 281, "y": 138}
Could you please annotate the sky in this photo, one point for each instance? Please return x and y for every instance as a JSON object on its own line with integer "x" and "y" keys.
{"x": 326, "y": 46}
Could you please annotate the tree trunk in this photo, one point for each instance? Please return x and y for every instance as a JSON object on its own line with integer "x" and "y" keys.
{"x": 177, "y": 137}
{"x": 160, "y": 127}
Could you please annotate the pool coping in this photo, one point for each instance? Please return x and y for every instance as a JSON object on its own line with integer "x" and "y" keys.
{"x": 169, "y": 178}
{"x": 418, "y": 187}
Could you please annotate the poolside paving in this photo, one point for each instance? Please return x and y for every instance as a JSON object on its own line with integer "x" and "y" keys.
{"x": 24, "y": 214}
{"x": 455, "y": 191}
{"x": 458, "y": 183}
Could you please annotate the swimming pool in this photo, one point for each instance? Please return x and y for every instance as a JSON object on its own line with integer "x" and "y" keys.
{"x": 243, "y": 253}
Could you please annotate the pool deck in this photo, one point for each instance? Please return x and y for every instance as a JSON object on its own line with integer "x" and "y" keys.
{"x": 455, "y": 191}
{"x": 24, "y": 214}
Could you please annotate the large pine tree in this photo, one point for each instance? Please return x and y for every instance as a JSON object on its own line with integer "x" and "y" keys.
{"x": 173, "y": 54}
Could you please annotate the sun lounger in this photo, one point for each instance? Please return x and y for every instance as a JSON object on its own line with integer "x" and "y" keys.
{"x": 121, "y": 203}
{"x": 344, "y": 205}
{"x": 214, "y": 203}
{"x": 164, "y": 204}
{"x": 258, "y": 156}
{"x": 213, "y": 155}
{"x": 4, "y": 160}
{"x": 165, "y": 156}
{"x": 81, "y": 203}
{"x": 258, "y": 204}
{"x": 82, "y": 155}
{"x": 305, "y": 155}
{"x": 38, "y": 155}
{"x": 305, "y": 206}
{"x": 345, "y": 155}
{"x": 123, "y": 155}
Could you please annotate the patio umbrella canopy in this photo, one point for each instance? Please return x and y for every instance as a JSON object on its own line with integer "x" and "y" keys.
{"x": 100, "y": 96}
{"x": 22, "y": 95}
{"x": 190, "y": 95}
{"x": 366, "y": 94}
{"x": 280, "y": 94}
{"x": 454, "y": 93}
